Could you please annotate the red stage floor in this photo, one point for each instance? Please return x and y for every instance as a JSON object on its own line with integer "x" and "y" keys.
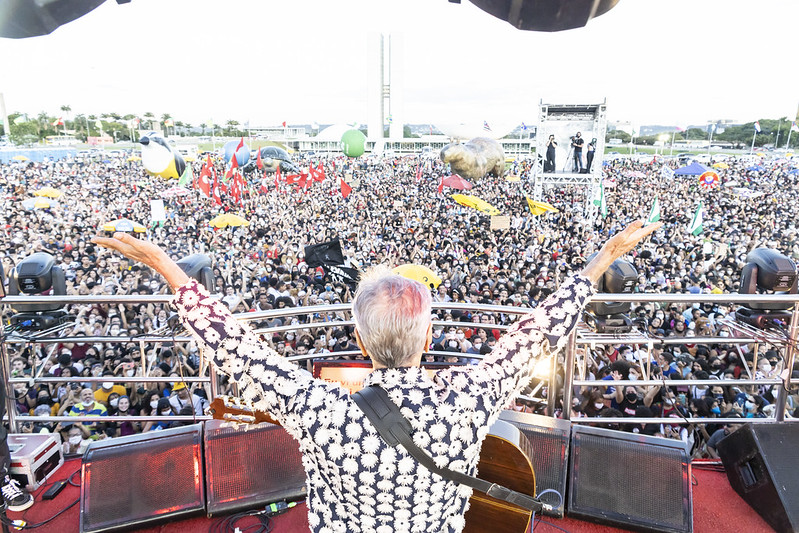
{"x": 716, "y": 508}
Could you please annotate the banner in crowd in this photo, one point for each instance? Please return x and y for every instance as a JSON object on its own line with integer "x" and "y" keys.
{"x": 343, "y": 274}
{"x": 324, "y": 254}
{"x": 500, "y": 222}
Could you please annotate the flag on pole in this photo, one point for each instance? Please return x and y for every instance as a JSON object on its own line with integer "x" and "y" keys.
{"x": 654, "y": 213}
{"x": 215, "y": 193}
{"x": 600, "y": 201}
{"x": 345, "y": 188}
{"x": 204, "y": 182}
{"x": 58, "y": 122}
{"x": 794, "y": 127}
{"x": 524, "y": 127}
{"x": 98, "y": 123}
{"x": 680, "y": 129}
{"x": 188, "y": 176}
{"x": 419, "y": 172}
{"x": 696, "y": 223}
{"x": 666, "y": 172}
{"x": 234, "y": 165}
{"x": 757, "y": 126}
{"x": 441, "y": 184}
{"x": 284, "y": 123}
{"x": 259, "y": 162}
{"x": 169, "y": 123}
{"x": 486, "y": 127}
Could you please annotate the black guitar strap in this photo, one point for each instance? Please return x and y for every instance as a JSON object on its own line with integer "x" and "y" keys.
{"x": 395, "y": 430}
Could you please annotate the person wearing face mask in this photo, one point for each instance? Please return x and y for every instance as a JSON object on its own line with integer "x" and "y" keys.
{"x": 182, "y": 397}
{"x": 107, "y": 388}
{"x": 88, "y": 406}
{"x": 76, "y": 442}
{"x": 162, "y": 408}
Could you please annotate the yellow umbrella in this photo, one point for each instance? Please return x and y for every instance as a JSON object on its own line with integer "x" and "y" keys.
{"x": 189, "y": 159}
{"x": 539, "y": 208}
{"x": 49, "y": 192}
{"x": 134, "y": 158}
{"x": 419, "y": 273}
{"x": 228, "y": 219}
{"x": 19, "y": 158}
{"x": 124, "y": 224}
{"x": 511, "y": 177}
{"x": 721, "y": 165}
{"x": 44, "y": 203}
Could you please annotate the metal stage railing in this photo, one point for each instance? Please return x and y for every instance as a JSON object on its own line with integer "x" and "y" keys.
{"x": 581, "y": 336}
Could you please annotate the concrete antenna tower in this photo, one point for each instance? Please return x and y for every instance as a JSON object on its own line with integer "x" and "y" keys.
{"x": 384, "y": 98}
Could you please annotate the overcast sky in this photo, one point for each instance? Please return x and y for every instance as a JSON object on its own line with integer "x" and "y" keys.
{"x": 656, "y": 61}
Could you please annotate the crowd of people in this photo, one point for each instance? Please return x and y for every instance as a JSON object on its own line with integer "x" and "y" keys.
{"x": 395, "y": 214}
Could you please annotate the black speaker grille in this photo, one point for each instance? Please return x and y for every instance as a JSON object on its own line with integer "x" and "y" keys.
{"x": 548, "y": 456}
{"x": 142, "y": 481}
{"x": 623, "y": 481}
{"x": 251, "y": 465}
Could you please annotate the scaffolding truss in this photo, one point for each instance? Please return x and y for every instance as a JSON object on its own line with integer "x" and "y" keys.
{"x": 558, "y": 119}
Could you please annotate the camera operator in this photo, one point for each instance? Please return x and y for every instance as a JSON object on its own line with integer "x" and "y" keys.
{"x": 577, "y": 145}
{"x": 549, "y": 164}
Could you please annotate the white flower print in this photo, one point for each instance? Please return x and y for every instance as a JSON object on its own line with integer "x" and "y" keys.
{"x": 356, "y": 483}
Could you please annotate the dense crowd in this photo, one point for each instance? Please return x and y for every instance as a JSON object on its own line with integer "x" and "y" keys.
{"x": 396, "y": 215}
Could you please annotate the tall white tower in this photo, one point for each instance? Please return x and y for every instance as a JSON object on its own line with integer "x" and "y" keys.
{"x": 384, "y": 97}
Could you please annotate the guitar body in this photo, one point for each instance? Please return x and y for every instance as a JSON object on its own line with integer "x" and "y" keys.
{"x": 501, "y": 462}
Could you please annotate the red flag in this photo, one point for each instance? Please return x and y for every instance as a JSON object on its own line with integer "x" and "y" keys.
{"x": 345, "y": 188}
{"x": 419, "y": 172}
{"x": 259, "y": 162}
{"x": 239, "y": 146}
{"x": 234, "y": 165}
{"x": 319, "y": 175}
{"x": 204, "y": 182}
{"x": 215, "y": 191}
{"x": 441, "y": 184}
{"x": 284, "y": 123}
{"x": 291, "y": 179}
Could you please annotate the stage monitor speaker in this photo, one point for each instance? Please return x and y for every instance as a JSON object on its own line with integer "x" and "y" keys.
{"x": 629, "y": 480}
{"x": 760, "y": 460}
{"x": 143, "y": 478}
{"x": 248, "y": 466}
{"x": 548, "y": 453}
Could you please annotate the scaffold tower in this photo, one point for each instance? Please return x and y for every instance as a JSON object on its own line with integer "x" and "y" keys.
{"x": 564, "y": 121}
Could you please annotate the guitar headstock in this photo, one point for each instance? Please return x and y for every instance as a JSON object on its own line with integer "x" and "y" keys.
{"x": 231, "y": 409}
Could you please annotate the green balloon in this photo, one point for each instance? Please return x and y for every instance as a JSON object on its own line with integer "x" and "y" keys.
{"x": 353, "y": 143}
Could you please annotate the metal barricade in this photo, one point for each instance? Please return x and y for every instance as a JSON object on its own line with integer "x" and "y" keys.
{"x": 579, "y": 337}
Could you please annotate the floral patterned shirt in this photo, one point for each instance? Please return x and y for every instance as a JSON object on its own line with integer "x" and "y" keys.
{"x": 357, "y": 483}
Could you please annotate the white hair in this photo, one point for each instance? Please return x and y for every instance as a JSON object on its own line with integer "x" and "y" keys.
{"x": 392, "y": 314}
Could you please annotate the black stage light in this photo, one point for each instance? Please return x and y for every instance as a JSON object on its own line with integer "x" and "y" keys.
{"x": 37, "y": 274}
{"x": 610, "y": 317}
{"x": 198, "y": 267}
{"x": 546, "y": 15}
{"x": 767, "y": 272}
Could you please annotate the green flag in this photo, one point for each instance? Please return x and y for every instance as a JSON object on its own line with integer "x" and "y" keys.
{"x": 187, "y": 177}
{"x": 696, "y": 223}
{"x": 654, "y": 213}
{"x": 600, "y": 201}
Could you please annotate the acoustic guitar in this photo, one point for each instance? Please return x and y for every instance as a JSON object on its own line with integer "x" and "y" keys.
{"x": 501, "y": 462}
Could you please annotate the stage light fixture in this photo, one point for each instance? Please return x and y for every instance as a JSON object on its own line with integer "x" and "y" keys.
{"x": 610, "y": 317}
{"x": 37, "y": 274}
{"x": 546, "y": 15}
{"x": 198, "y": 267}
{"x": 767, "y": 272}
